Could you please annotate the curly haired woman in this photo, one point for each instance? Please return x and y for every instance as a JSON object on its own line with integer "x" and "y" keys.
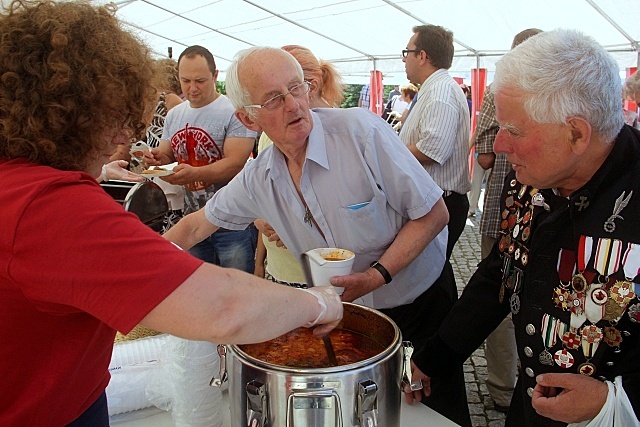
{"x": 74, "y": 86}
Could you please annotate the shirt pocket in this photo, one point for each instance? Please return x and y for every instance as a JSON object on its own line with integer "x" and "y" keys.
{"x": 368, "y": 228}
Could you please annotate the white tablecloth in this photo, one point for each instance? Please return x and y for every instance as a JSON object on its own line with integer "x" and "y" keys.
{"x": 411, "y": 416}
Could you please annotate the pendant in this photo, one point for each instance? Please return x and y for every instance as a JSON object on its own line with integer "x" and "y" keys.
{"x": 587, "y": 368}
{"x": 579, "y": 283}
{"x": 546, "y": 358}
{"x": 563, "y": 358}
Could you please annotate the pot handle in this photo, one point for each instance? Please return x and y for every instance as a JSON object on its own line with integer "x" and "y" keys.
{"x": 407, "y": 350}
{"x": 314, "y": 400}
{"x": 367, "y": 404}
{"x": 222, "y": 353}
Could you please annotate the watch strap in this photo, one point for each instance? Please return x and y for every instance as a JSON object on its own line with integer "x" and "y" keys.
{"x": 385, "y": 273}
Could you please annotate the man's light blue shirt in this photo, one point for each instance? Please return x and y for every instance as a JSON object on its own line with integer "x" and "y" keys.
{"x": 361, "y": 185}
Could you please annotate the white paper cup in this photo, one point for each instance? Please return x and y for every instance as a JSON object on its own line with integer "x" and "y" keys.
{"x": 339, "y": 263}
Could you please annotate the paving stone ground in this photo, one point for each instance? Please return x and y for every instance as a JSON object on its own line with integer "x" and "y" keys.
{"x": 466, "y": 255}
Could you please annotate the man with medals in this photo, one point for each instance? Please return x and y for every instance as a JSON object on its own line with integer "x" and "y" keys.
{"x": 568, "y": 261}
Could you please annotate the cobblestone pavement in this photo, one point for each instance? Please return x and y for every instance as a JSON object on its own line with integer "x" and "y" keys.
{"x": 465, "y": 257}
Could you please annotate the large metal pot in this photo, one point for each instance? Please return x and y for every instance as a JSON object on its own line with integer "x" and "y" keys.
{"x": 366, "y": 393}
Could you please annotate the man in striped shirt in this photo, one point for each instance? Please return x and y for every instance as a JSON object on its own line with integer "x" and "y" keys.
{"x": 437, "y": 129}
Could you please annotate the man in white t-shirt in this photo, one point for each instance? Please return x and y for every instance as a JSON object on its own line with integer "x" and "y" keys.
{"x": 211, "y": 146}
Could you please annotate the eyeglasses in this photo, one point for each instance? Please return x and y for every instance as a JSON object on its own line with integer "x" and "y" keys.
{"x": 406, "y": 52}
{"x": 277, "y": 101}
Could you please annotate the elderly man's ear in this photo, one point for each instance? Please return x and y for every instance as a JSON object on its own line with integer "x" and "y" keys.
{"x": 248, "y": 121}
{"x": 580, "y": 134}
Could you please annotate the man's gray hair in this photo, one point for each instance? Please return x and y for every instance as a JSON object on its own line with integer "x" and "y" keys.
{"x": 236, "y": 93}
{"x": 562, "y": 74}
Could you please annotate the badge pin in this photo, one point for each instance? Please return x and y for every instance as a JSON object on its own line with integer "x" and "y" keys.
{"x": 514, "y": 303}
{"x": 621, "y": 203}
{"x": 634, "y": 313}
{"x": 612, "y": 336}
{"x": 563, "y": 358}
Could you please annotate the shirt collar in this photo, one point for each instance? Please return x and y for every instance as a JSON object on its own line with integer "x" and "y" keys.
{"x": 317, "y": 146}
{"x": 316, "y": 150}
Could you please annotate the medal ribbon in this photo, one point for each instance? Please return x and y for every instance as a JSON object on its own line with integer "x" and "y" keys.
{"x": 577, "y": 320}
{"x": 594, "y": 312}
{"x": 566, "y": 264}
{"x": 608, "y": 256}
{"x": 631, "y": 261}
{"x": 590, "y": 346}
{"x": 562, "y": 329}
{"x": 518, "y": 280}
{"x": 550, "y": 327}
{"x": 584, "y": 252}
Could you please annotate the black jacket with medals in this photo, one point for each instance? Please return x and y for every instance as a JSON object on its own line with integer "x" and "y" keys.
{"x": 567, "y": 269}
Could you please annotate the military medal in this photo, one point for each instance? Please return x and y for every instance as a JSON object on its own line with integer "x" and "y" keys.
{"x": 587, "y": 368}
{"x": 523, "y": 190}
{"x": 550, "y": 327}
{"x": 591, "y": 336}
{"x": 562, "y": 298}
{"x": 634, "y": 313}
{"x": 576, "y": 304}
{"x": 579, "y": 283}
{"x": 612, "y": 336}
{"x": 612, "y": 311}
{"x": 538, "y": 200}
{"x": 514, "y": 300}
{"x": 563, "y": 358}
{"x": 514, "y": 303}
{"x": 571, "y": 339}
{"x": 622, "y": 292}
{"x": 621, "y": 203}
{"x": 594, "y": 303}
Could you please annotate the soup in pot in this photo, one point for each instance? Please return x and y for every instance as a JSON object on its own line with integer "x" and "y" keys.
{"x": 301, "y": 349}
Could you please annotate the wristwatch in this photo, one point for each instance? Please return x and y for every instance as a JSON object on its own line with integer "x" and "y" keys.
{"x": 382, "y": 270}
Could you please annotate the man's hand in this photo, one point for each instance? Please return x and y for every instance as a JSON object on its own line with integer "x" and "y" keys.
{"x": 358, "y": 284}
{"x": 569, "y": 398}
{"x": 416, "y": 395}
{"x": 265, "y": 228}
{"x": 182, "y": 174}
{"x": 152, "y": 157}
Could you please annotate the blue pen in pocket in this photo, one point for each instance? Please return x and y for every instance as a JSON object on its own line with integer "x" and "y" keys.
{"x": 357, "y": 206}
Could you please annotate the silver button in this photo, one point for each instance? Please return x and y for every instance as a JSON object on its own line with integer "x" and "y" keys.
{"x": 610, "y": 363}
{"x": 528, "y": 351}
{"x": 530, "y": 372}
{"x": 530, "y": 391}
{"x": 530, "y": 329}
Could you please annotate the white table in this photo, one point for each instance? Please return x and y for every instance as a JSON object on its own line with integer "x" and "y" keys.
{"x": 410, "y": 416}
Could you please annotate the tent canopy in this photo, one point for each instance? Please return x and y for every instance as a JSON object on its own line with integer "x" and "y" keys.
{"x": 361, "y": 35}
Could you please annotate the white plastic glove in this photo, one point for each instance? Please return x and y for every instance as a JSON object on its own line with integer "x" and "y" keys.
{"x": 117, "y": 170}
{"x": 330, "y": 309}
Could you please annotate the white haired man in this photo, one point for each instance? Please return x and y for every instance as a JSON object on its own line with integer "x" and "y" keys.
{"x": 567, "y": 263}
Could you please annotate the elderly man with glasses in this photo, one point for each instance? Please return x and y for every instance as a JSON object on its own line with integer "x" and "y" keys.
{"x": 338, "y": 178}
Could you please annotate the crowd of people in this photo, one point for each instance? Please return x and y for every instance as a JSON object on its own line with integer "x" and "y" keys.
{"x": 558, "y": 282}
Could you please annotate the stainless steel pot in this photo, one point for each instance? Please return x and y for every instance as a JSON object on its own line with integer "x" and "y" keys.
{"x": 366, "y": 393}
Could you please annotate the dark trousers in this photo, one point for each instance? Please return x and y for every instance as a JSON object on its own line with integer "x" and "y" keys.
{"x": 96, "y": 416}
{"x": 458, "y": 206}
{"x": 420, "y": 320}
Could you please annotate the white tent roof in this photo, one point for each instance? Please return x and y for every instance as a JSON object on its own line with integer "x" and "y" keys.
{"x": 360, "y": 35}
